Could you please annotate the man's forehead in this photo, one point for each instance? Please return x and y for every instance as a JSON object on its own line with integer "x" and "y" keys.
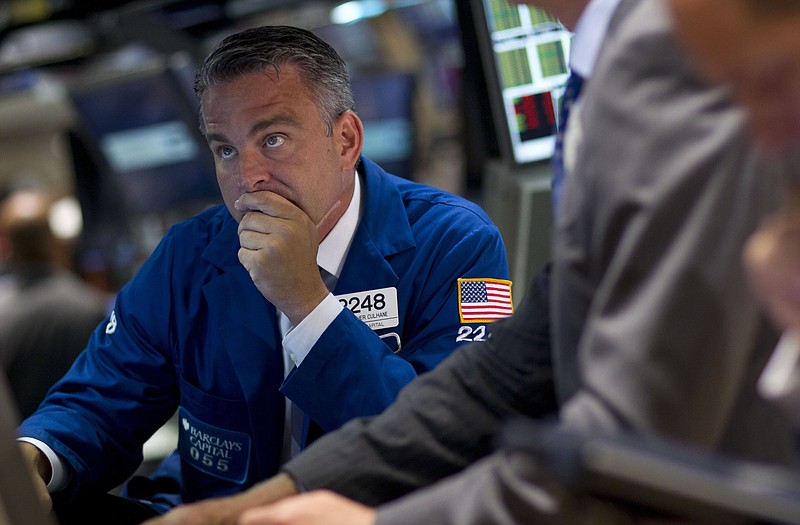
{"x": 253, "y": 89}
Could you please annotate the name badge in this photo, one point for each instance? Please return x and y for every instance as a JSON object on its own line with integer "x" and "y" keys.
{"x": 213, "y": 450}
{"x": 376, "y": 308}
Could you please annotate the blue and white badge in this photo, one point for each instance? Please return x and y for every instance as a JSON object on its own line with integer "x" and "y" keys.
{"x": 213, "y": 450}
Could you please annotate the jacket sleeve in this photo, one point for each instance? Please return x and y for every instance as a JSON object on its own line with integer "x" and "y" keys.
{"x": 351, "y": 372}
{"x": 117, "y": 393}
{"x": 506, "y": 488}
{"x": 443, "y": 420}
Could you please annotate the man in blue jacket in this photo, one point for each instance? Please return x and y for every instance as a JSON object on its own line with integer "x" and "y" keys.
{"x": 231, "y": 315}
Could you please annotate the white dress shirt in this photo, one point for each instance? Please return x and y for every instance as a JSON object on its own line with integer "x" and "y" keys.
{"x": 590, "y": 31}
{"x": 589, "y": 34}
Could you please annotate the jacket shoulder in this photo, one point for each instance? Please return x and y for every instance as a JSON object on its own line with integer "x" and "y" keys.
{"x": 421, "y": 199}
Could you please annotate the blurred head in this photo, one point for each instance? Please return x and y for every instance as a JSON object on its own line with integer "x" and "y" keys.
{"x": 25, "y": 233}
{"x": 277, "y": 112}
{"x": 754, "y": 47}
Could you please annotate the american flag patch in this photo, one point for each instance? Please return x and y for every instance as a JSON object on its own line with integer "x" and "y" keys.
{"x": 484, "y": 300}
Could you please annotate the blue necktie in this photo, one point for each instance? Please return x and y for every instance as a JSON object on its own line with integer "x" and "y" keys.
{"x": 571, "y": 91}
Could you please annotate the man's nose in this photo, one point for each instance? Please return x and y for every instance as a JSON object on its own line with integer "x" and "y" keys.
{"x": 254, "y": 171}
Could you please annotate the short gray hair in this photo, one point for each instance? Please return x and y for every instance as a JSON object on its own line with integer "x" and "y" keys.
{"x": 267, "y": 49}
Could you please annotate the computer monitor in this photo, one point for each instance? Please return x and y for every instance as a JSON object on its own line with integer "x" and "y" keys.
{"x": 523, "y": 55}
{"x": 384, "y": 101}
{"x": 140, "y": 164}
{"x": 142, "y": 127}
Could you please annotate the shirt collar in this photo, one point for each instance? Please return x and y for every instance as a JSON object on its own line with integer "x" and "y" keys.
{"x": 589, "y": 34}
{"x": 334, "y": 247}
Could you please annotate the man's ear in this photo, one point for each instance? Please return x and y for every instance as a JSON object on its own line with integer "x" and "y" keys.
{"x": 349, "y": 132}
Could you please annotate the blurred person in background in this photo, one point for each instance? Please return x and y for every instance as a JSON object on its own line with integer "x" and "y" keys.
{"x": 753, "y": 46}
{"x": 47, "y": 312}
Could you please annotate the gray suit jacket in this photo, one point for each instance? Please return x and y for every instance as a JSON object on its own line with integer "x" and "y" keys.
{"x": 655, "y": 331}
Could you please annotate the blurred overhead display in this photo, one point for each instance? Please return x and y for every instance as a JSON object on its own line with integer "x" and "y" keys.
{"x": 46, "y": 43}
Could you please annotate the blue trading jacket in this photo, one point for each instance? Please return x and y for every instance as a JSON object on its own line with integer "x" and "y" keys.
{"x": 191, "y": 332}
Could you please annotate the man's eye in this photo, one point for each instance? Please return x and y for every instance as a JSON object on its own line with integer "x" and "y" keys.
{"x": 226, "y": 152}
{"x": 273, "y": 141}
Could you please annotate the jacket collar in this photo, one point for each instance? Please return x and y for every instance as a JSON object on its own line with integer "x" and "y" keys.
{"x": 384, "y": 218}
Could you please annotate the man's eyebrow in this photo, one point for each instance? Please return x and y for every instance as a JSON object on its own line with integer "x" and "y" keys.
{"x": 261, "y": 125}
{"x": 256, "y": 128}
{"x": 216, "y": 137}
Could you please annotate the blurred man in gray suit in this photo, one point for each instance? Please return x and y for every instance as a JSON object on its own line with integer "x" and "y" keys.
{"x": 752, "y": 46}
{"x": 753, "y": 50}
{"x": 655, "y": 330}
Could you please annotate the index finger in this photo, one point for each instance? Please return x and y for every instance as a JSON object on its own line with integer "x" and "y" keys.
{"x": 264, "y": 201}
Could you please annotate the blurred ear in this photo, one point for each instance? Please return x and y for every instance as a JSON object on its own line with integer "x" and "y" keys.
{"x": 349, "y": 133}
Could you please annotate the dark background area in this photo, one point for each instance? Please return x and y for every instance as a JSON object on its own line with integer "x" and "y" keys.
{"x": 79, "y": 78}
